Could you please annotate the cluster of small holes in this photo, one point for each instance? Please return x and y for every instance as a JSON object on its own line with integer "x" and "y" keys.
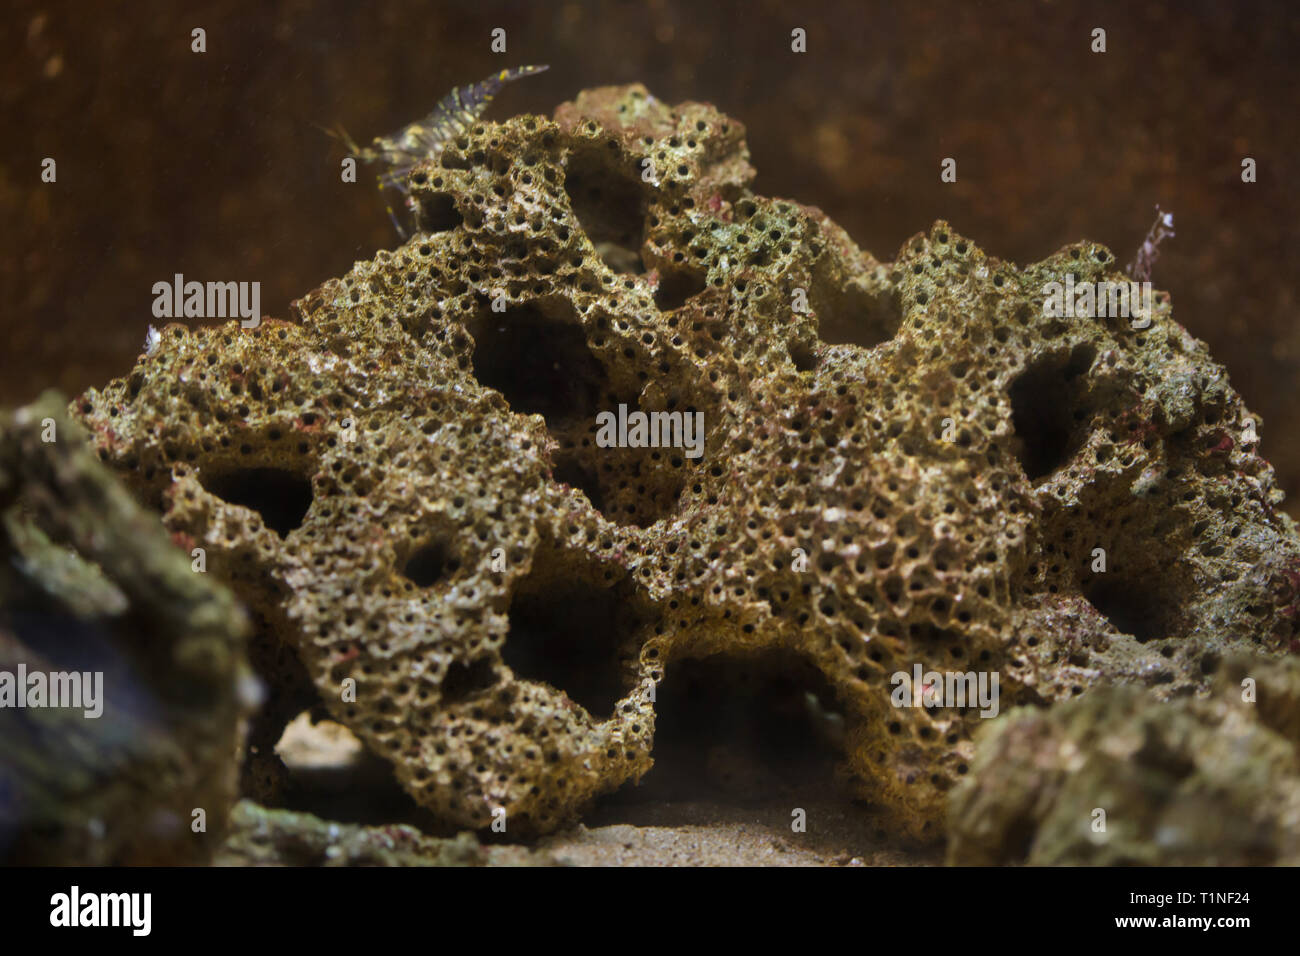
{"x": 862, "y": 496}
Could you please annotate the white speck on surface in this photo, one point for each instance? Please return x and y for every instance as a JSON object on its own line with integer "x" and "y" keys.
{"x": 249, "y": 690}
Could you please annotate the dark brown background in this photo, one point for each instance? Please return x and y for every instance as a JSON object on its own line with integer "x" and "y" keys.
{"x": 209, "y": 165}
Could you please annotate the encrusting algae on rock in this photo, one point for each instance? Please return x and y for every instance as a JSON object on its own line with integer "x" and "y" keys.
{"x": 1115, "y": 778}
{"x": 95, "y": 598}
{"x": 262, "y": 837}
{"x": 902, "y": 463}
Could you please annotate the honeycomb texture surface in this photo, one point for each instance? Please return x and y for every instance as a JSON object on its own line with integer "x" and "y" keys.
{"x": 904, "y": 462}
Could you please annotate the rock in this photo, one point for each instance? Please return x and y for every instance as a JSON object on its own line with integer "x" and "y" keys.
{"x": 265, "y": 837}
{"x": 1117, "y": 777}
{"x": 93, "y": 591}
{"x": 907, "y": 462}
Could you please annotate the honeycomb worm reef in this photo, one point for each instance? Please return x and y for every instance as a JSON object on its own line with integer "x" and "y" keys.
{"x": 903, "y": 462}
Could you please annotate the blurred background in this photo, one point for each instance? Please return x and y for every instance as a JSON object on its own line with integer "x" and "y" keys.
{"x": 210, "y": 164}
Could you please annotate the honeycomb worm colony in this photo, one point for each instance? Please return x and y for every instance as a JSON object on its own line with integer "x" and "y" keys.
{"x": 902, "y": 462}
